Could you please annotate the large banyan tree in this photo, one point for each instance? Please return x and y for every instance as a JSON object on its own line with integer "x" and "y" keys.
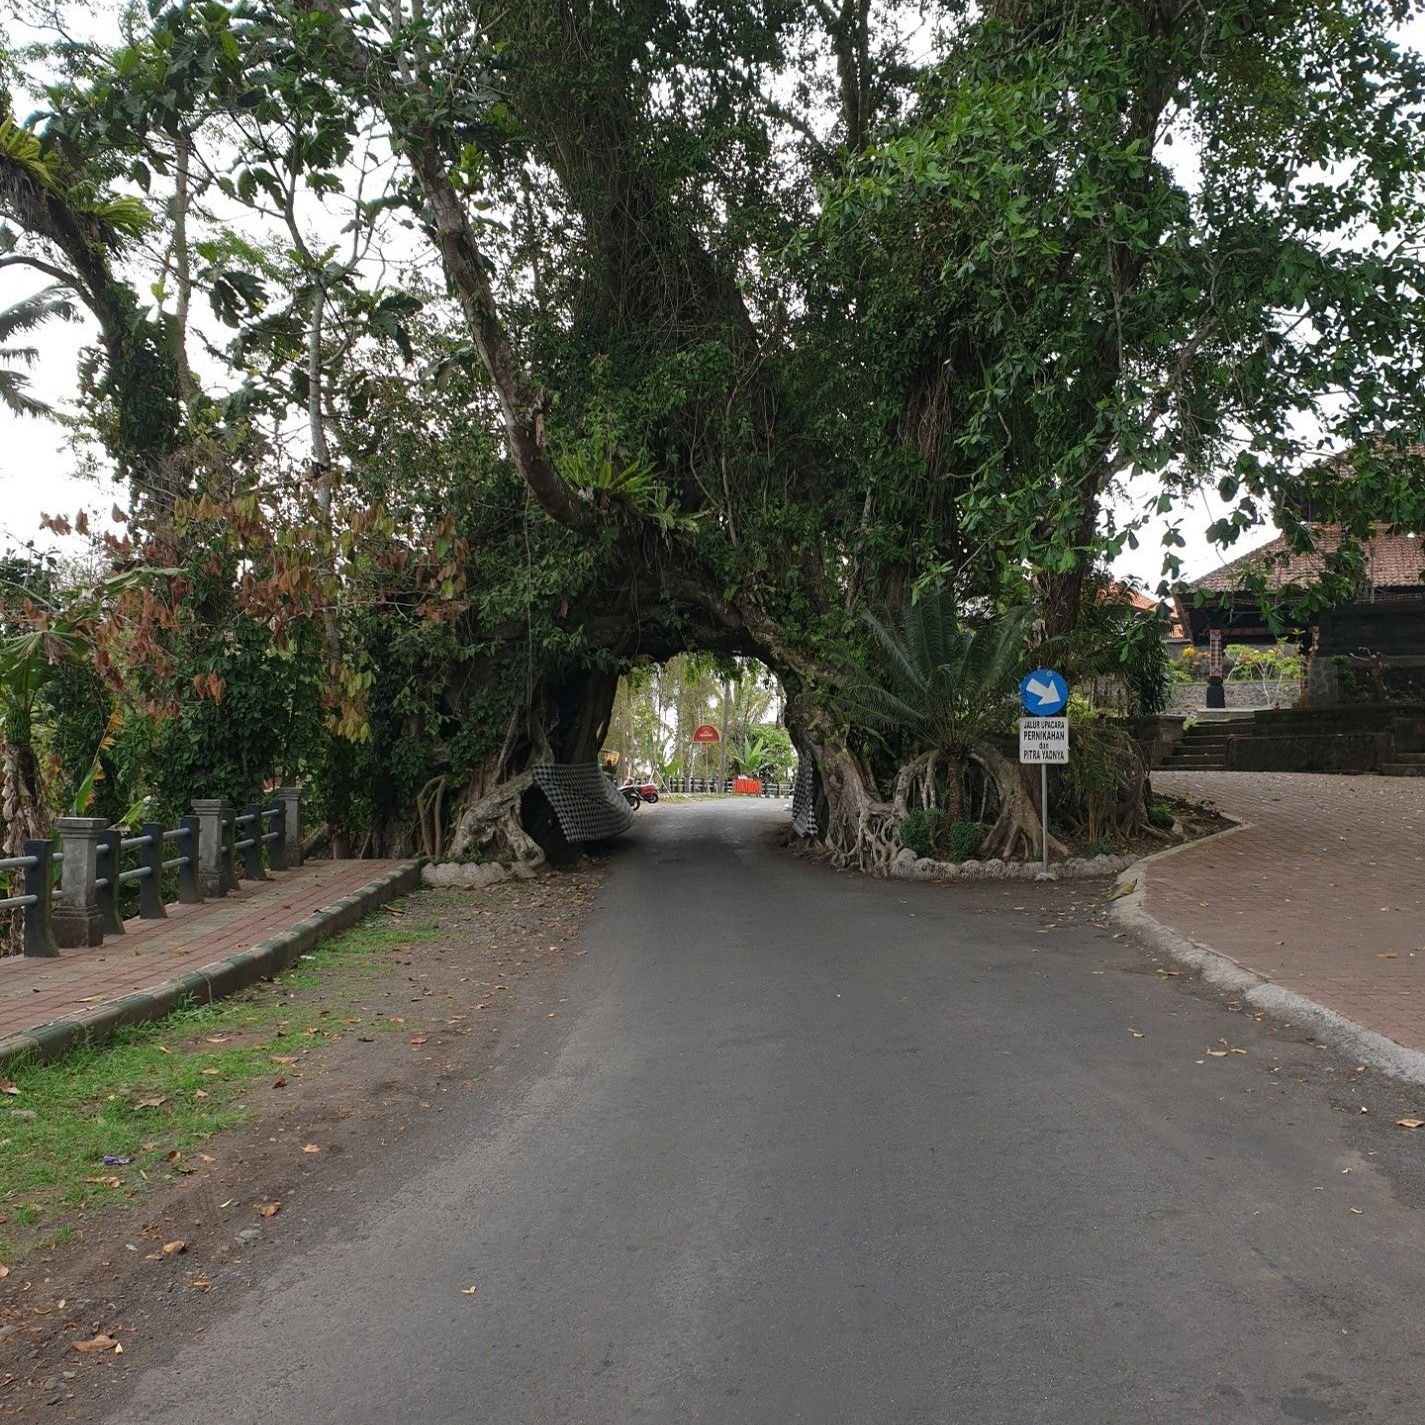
{"x": 758, "y": 317}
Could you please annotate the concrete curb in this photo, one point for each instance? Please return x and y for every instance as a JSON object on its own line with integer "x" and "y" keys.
{"x": 212, "y": 981}
{"x": 1225, "y": 973}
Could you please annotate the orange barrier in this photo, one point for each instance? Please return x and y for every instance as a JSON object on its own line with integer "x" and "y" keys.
{"x": 749, "y": 786}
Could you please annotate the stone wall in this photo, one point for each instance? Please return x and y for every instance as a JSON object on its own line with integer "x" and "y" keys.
{"x": 1189, "y": 698}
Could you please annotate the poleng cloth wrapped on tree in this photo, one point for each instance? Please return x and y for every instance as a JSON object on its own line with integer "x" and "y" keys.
{"x": 586, "y": 803}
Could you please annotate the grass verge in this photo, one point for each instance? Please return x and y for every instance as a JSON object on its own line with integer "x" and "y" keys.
{"x": 154, "y": 1093}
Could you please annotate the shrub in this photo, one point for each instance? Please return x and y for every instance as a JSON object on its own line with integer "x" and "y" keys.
{"x": 964, "y": 839}
{"x": 928, "y": 832}
{"x": 919, "y": 830}
{"x": 1160, "y": 814}
{"x": 1102, "y": 847}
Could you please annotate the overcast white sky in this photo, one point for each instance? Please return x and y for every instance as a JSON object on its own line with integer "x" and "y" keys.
{"x": 39, "y": 472}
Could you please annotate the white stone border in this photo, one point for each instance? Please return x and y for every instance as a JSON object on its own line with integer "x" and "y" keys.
{"x": 908, "y": 867}
{"x": 1225, "y": 973}
{"x": 476, "y": 875}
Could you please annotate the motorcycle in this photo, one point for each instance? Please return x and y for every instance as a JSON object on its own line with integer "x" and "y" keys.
{"x": 636, "y": 793}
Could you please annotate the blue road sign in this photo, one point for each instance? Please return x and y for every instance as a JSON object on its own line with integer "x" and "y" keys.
{"x": 1044, "y": 693}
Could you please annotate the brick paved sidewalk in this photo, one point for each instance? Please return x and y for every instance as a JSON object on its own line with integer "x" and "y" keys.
{"x": 1323, "y": 894}
{"x": 79, "y": 982}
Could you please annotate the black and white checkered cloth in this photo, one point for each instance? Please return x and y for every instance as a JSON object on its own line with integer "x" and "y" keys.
{"x": 804, "y": 799}
{"x": 589, "y": 807}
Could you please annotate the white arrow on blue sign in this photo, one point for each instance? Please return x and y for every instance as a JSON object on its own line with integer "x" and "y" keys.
{"x": 1044, "y": 692}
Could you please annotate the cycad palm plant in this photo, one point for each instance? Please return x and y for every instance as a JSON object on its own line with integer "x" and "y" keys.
{"x": 21, "y": 317}
{"x": 946, "y": 684}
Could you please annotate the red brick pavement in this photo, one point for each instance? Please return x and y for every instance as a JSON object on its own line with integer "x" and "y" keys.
{"x": 1324, "y": 892}
{"x": 35, "y": 991}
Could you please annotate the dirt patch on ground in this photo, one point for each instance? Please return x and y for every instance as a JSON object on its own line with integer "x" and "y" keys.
{"x": 430, "y": 1021}
{"x": 1193, "y": 820}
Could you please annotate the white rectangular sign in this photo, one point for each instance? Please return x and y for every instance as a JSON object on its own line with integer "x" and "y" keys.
{"x": 1044, "y": 739}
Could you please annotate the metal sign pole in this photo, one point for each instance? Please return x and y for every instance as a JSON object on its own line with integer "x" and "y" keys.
{"x": 1044, "y": 810}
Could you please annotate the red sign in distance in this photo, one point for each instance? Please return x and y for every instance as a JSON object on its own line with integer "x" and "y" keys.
{"x": 707, "y": 733}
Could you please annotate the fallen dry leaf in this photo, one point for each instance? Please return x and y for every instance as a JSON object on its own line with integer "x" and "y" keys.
{"x": 211, "y": 1073}
{"x": 279, "y": 1083}
{"x": 105, "y": 1182}
{"x": 4, "y": 1272}
{"x": 268, "y": 1209}
{"x": 216, "y": 1039}
{"x": 470, "y": 1291}
{"x": 200, "y": 1283}
{"x": 283, "y": 1058}
{"x": 1386, "y": 955}
{"x": 7, "y": 1087}
{"x": 153, "y": 1100}
{"x": 1357, "y": 1210}
{"x": 1136, "y": 1033}
{"x": 100, "y": 1343}
{"x": 172, "y": 1249}
{"x": 310, "y": 1148}
{"x": 1217, "y": 1053}
{"x": 1410, "y": 1122}
{"x": 418, "y": 1039}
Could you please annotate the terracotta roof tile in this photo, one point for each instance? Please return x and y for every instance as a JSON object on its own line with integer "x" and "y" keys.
{"x": 1392, "y": 561}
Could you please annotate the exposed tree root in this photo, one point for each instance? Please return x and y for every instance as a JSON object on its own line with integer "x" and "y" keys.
{"x": 1017, "y": 831}
{"x": 489, "y": 824}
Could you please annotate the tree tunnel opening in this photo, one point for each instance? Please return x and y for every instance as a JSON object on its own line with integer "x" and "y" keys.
{"x": 689, "y": 724}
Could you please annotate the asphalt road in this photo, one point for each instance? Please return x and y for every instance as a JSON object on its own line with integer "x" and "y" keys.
{"x": 802, "y": 1147}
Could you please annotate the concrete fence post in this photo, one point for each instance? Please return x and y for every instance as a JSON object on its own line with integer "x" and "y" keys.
{"x": 190, "y": 890}
{"x": 211, "y": 846}
{"x": 231, "y": 881}
{"x": 39, "y": 918}
{"x": 252, "y": 854}
{"x": 290, "y": 824}
{"x": 151, "y": 885}
{"x": 76, "y": 917}
{"x": 111, "y": 851}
